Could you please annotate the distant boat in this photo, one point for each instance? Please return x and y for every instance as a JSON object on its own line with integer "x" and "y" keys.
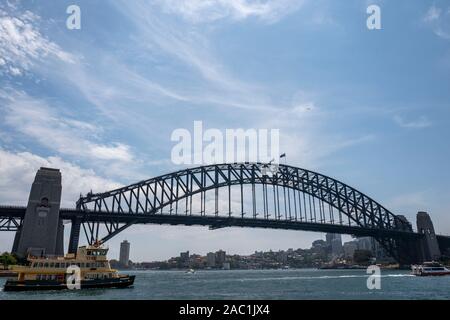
{"x": 429, "y": 269}
{"x": 190, "y": 271}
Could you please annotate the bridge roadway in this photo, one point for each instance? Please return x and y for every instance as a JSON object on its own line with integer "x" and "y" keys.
{"x": 213, "y": 222}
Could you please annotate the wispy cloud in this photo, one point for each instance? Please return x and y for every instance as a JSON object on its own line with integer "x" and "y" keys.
{"x": 212, "y": 82}
{"x": 17, "y": 170}
{"x": 438, "y": 20}
{"x": 64, "y": 135}
{"x": 420, "y": 123}
{"x": 200, "y": 11}
{"x": 432, "y": 14}
{"x": 22, "y": 45}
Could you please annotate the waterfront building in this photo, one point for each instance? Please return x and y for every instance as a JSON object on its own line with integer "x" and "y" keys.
{"x": 366, "y": 243}
{"x": 184, "y": 256}
{"x": 319, "y": 244}
{"x": 334, "y": 242}
{"x": 282, "y": 256}
{"x": 124, "y": 256}
{"x": 220, "y": 257}
{"x": 350, "y": 248}
{"x": 184, "y": 259}
{"x": 211, "y": 260}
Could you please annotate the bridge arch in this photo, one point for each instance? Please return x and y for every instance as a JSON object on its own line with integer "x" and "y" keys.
{"x": 312, "y": 191}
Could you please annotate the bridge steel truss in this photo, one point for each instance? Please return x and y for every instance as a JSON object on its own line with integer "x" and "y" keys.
{"x": 281, "y": 196}
{"x": 11, "y": 218}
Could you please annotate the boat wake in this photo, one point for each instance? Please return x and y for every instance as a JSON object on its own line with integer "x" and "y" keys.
{"x": 323, "y": 277}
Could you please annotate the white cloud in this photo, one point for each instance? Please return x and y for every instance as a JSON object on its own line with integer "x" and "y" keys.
{"x": 432, "y": 14}
{"x": 213, "y": 84}
{"x": 420, "y": 123}
{"x": 22, "y": 45}
{"x": 198, "y": 11}
{"x": 439, "y": 21}
{"x": 43, "y": 123}
{"x": 17, "y": 171}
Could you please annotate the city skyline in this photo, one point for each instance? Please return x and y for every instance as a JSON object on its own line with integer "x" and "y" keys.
{"x": 369, "y": 108}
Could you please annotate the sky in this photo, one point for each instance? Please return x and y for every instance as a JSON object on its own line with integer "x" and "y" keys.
{"x": 367, "y": 107}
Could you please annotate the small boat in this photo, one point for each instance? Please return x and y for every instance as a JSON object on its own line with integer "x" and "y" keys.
{"x": 430, "y": 269}
{"x": 89, "y": 268}
{"x": 190, "y": 271}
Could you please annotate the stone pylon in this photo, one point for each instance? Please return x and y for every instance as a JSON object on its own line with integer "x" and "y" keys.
{"x": 430, "y": 245}
{"x": 42, "y": 232}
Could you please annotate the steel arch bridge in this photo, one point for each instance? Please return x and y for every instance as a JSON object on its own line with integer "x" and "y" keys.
{"x": 244, "y": 195}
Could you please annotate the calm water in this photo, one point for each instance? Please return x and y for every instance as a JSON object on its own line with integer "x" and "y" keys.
{"x": 259, "y": 284}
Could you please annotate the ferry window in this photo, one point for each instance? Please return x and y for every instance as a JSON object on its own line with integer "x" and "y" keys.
{"x": 52, "y": 264}
{"x": 46, "y": 265}
{"x": 57, "y": 265}
{"x": 40, "y": 265}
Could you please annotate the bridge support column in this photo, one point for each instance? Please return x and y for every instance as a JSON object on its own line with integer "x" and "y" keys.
{"x": 16, "y": 241}
{"x": 74, "y": 236}
{"x": 430, "y": 243}
{"x": 41, "y": 233}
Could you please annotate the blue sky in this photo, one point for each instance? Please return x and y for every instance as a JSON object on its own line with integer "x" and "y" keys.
{"x": 368, "y": 107}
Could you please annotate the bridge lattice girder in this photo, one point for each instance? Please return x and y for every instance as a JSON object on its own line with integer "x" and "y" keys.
{"x": 151, "y": 196}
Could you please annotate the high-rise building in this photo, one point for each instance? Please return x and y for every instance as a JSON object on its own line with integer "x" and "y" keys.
{"x": 220, "y": 257}
{"x": 211, "y": 259}
{"x": 366, "y": 243}
{"x": 184, "y": 256}
{"x": 124, "y": 256}
{"x": 350, "y": 248}
{"x": 334, "y": 242}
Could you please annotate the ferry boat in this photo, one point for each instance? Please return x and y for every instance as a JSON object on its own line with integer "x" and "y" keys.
{"x": 52, "y": 273}
{"x": 430, "y": 269}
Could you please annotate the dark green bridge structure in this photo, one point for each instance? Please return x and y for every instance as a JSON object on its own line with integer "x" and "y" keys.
{"x": 253, "y": 195}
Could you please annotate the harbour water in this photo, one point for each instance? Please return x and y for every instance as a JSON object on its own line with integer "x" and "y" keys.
{"x": 259, "y": 284}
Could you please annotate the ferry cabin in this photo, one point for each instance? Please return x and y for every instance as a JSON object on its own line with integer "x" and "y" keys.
{"x": 92, "y": 262}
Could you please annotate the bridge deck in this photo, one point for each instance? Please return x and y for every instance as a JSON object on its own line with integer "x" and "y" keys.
{"x": 214, "y": 222}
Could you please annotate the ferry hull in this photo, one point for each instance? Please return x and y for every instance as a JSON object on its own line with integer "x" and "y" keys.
{"x": 433, "y": 274}
{"x": 41, "y": 285}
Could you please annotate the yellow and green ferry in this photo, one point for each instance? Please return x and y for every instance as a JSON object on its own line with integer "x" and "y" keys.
{"x": 88, "y": 268}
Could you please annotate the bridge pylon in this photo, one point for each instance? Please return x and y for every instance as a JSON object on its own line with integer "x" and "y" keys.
{"x": 42, "y": 231}
{"x": 429, "y": 246}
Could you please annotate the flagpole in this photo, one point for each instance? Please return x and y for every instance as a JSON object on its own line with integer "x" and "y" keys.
{"x": 283, "y": 155}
